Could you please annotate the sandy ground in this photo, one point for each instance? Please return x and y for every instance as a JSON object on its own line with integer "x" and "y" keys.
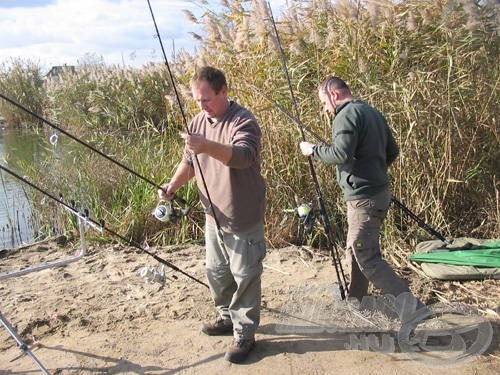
{"x": 97, "y": 315}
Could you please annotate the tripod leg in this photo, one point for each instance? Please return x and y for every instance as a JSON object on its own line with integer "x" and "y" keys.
{"x": 21, "y": 344}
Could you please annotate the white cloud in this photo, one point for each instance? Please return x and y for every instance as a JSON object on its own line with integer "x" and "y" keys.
{"x": 61, "y": 32}
{"x": 57, "y": 32}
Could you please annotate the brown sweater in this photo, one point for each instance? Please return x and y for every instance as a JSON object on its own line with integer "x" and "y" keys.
{"x": 237, "y": 190}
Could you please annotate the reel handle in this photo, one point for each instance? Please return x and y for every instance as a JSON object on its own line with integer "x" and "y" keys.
{"x": 182, "y": 202}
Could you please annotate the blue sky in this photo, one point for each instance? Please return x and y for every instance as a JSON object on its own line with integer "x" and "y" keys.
{"x": 58, "y": 32}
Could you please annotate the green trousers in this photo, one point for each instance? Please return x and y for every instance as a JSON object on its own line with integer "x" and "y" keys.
{"x": 234, "y": 269}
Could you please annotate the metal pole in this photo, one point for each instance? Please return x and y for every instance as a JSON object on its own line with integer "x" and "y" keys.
{"x": 21, "y": 344}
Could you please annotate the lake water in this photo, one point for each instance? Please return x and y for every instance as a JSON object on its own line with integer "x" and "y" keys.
{"x": 17, "y": 220}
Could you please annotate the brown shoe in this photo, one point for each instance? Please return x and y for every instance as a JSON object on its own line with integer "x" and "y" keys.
{"x": 219, "y": 326}
{"x": 239, "y": 350}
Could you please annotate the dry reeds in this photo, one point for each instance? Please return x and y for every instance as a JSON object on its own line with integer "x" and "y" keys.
{"x": 429, "y": 66}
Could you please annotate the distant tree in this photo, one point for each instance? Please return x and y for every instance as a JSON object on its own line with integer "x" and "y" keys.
{"x": 90, "y": 59}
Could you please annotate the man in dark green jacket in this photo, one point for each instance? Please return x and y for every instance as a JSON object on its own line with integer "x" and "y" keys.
{"x": 362, "y": 149}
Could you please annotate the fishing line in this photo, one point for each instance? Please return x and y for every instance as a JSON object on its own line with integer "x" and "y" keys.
{"x": 184, "y": 118}
{"x": 101, "y": 225}
{"x": 319, "y": 197}
{"x": 53, "y": 141}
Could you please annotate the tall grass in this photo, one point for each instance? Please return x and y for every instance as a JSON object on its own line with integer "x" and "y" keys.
{"x": 429, "y": 66}
{"x": 22, "y": 81}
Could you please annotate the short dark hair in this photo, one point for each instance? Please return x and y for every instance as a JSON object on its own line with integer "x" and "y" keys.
{"x": 333, "y": 83}
{"x": 215, "y": 77}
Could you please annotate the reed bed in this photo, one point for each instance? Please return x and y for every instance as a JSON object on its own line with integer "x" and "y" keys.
{"x": 429, "y": 66}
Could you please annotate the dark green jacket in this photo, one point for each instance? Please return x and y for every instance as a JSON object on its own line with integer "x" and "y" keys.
{"x": 362, "y": 148}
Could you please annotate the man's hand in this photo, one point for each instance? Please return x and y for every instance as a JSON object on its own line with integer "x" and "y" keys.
{"x": 306, "y": 148}
{"x": 166, "y": 193}
{"x": 195, "y": 143}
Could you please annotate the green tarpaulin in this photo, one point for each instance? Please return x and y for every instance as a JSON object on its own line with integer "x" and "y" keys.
{"x": 478, "y": 258}
{"x": 465, "y": 259}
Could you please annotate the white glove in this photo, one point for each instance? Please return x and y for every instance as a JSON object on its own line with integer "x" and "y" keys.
{"x": 306, "y": 148}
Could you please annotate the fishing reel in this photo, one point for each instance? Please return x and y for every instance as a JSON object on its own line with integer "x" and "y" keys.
{"x": 166, "y": 212}
{"x": 306, "y": 216}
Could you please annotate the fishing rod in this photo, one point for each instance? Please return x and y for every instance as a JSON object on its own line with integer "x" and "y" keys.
{"x": 172, "y": 80}
{"x": 101, "y": 225}
{"x": 283, "y": 110}
{"x": 343, "y": 288}
{"x": 421, "y": 223}
{"x": 179, "y": 200}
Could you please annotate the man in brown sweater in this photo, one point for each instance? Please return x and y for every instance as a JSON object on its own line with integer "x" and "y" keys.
{"x": 222, "y": 151}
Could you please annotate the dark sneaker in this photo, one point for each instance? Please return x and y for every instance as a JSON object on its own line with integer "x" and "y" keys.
{"x": 219, "y": 326}
{"x": 239, "y": 350}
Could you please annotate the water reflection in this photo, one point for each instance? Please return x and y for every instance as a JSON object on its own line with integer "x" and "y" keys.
{"x": 17, "y": 220}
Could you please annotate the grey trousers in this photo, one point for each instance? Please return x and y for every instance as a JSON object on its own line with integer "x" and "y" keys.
{"x": 364, "y": 218}
{"x": 234, "y": 269}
